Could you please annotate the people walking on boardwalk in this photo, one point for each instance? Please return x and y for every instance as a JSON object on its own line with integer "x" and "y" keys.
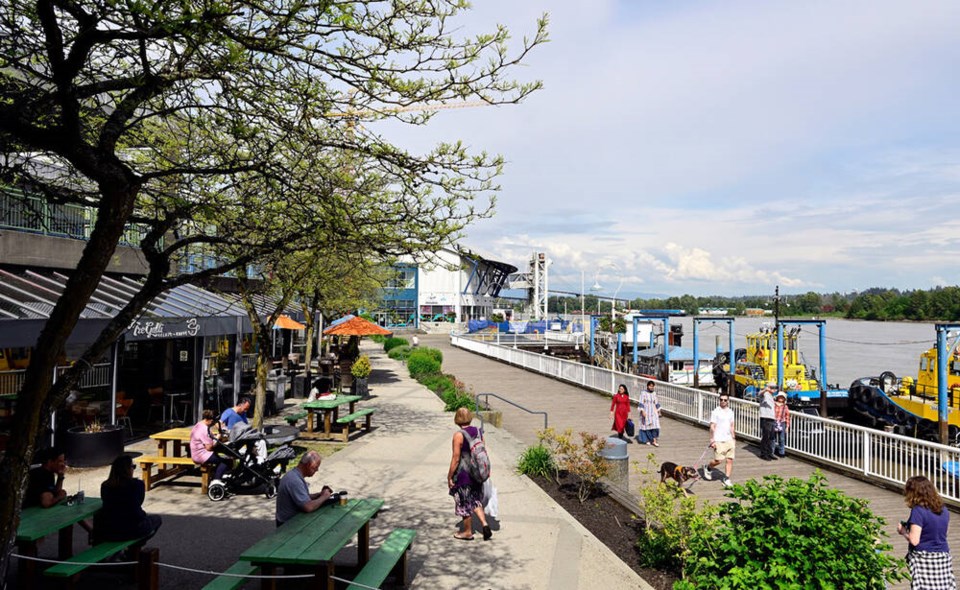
{"x": 767, "y": 422}
{"x": 781, "y": 417}
{"x": 928, "y": 554}
{"x": 620, "y": 410}
{"x": 293, "y": 493}
{"x": 649, "y": 424}
{"x": 723, "y": 439}
{"x": 467, "y": 493}
{"x": 122, "y": 516}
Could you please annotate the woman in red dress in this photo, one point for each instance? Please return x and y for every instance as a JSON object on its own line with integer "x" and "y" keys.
{"x": 620, "y": 410}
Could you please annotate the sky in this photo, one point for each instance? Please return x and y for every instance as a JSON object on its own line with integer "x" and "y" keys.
{"x": 725, "y": 147}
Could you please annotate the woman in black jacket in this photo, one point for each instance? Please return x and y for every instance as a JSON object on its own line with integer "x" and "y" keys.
{"x": 122, "y": 516}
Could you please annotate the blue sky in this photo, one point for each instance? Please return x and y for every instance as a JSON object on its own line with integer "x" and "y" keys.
{"x": 726, "y": 147}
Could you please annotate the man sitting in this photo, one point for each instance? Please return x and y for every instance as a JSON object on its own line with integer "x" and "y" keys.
{"x": 294, "y": 495}
{"x": 45, "y": 483}
{"x": 236, "y": 414}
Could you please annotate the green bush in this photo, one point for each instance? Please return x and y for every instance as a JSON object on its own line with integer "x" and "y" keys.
{"x": 421, "y": 364}
{"x": 378, "y": 338}
{"x": 440, "y": 384}
{"x": 793, "y": 533}
{"x": 536, "y": 460}
{"x": 399, "y": 353}
{"x": 433, "y": 352}
{"x": 393, "y": 342}
{"x": 458, "y": 399}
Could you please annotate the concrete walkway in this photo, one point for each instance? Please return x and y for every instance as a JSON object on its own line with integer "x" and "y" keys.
{"x": 536, "y": 544}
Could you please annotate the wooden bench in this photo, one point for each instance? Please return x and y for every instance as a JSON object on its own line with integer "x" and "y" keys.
{"x": 349, "y": 419}
{"x": 391, "y": 558}
{"x": 232, "y": 582}
{"x": 292, "y": 419}
{"x": 148, "y": 461}
{"x": 74, "y": 565}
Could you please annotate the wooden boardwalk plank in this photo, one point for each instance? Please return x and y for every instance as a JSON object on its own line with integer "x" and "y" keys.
{"x": 569, "y": 406}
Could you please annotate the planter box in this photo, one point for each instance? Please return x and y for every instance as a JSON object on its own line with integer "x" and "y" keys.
{"x": 92, "y": 449}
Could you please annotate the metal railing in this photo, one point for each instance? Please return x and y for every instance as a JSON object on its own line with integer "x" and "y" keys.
{"x": 97, "y": 376}
{"x": 501, "y": 398}
{"x": 880, "y": 457}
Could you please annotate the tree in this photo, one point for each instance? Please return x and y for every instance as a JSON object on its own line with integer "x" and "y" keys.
{"x": 195, "y": 119}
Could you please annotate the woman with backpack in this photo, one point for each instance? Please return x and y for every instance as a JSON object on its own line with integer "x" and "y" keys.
{"x": 467, "y": 492}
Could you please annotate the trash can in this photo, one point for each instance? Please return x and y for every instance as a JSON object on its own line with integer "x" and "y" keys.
{"x": 615, "y": 454}
{"x": 300, "y": 386}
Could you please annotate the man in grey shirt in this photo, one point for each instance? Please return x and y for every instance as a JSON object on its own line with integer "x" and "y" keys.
{"x": 294, "y": 495}
{"x": 767, "y": 422}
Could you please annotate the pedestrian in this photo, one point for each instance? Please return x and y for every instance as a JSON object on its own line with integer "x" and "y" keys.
{"x": 767, "y": 422}
{"x": 649, "y": 424}
{"x": 416, "y": 341}
{"x": 928, "y": 554}
{"x": 293, "y": 493}
{"x": 467, "y": 493}
{"x": 620, "y": 411}
{"x": 781, "y": 416}
{"x": 723, "y": 439}
{"x": 122, "y": 517}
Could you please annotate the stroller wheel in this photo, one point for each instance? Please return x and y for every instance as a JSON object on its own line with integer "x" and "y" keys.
{"x": 271, "y": 491}
{"x": 217, "y": 491}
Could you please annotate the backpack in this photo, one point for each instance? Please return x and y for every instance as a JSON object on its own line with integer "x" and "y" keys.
{"x": 478, "y": 461}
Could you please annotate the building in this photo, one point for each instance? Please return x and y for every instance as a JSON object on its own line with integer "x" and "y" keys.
{"x": 455, "y": 286}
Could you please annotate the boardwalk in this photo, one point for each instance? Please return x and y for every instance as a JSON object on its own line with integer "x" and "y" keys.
{"x": 569, "y": 406}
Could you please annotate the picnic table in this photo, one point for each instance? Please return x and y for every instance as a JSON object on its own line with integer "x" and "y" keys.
{"x": 36, "y": 523}
{"x": 331, "y": 411}
{"x": 172, "y": 458}
{"x": 309, "y": 541}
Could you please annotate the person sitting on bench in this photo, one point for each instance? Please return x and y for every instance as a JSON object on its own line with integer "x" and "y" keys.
{"x": 202, "y": 445}
{"x": 45, "y": 483}
{"x": 122, "y": 517}
{"x": 294, "y": 495}
{"x": 321, "y": 386}
{"x": 238, "y": 413}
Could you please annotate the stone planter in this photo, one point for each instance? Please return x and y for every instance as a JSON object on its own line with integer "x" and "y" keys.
{"x": 360, "y": 386}
{"x": 92, "y": 449}
{"x": 493, "y": 417}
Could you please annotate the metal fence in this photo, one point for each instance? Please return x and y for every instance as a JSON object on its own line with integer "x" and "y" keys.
{"x": 877, "y": 456}
{"x": 97, "y": 376}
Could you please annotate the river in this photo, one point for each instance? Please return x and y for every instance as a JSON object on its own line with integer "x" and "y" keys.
{"x": 854, "y": 348}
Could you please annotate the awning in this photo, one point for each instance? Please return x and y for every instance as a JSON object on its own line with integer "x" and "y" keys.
{"x": 28, "y": 297}
{"x": 356, "y": 326}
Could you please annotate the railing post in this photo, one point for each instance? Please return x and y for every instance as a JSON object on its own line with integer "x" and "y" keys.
{"x": 866, "y": 453}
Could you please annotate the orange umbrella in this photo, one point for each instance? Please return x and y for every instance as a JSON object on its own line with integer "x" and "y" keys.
{"x": 288, "y": 323}
{"x": 356, "y": 326}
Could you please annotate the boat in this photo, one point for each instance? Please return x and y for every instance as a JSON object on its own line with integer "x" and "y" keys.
{"x": 651, "y": 362}
{"x": 908, "y": 406}
{"x": 757, "y": 364}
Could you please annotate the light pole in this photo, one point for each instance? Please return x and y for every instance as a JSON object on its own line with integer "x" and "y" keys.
{"x": 583, "y": 309}
{"x": 613, "y": 311}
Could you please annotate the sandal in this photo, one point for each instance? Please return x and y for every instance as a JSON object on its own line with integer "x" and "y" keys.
{"x": 655, "y": 443}
{"x": 462, "y": 537}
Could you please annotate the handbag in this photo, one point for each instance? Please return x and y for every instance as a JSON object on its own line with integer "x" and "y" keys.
{"x": 630, "y": 429}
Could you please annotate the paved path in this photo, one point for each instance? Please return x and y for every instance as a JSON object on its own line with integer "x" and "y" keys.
{"x": 536, "y": 544}
{"x": 582, "y": 410}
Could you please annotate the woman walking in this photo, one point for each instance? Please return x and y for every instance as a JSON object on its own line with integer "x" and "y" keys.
{"x": 928, "y": 555}
{"x": 467, "y": 493}
{"x": 620, "y": 410}
{"x": 649, "y": 424}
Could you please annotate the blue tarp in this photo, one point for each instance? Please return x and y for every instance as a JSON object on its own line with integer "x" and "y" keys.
{"x": 516, "y": 327}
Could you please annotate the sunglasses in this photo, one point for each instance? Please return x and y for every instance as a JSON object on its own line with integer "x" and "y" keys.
{"x": 724, "y": 399}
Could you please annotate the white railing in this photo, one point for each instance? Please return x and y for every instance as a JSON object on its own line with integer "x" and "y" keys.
{"x": 879, "y": 457}
{"x": 96, "y": 376}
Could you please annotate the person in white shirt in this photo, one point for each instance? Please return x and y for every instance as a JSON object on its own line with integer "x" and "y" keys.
{"x": 723, "y": 439}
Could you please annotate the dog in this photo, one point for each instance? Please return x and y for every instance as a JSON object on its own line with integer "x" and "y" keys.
{"x": 678, "y": 473}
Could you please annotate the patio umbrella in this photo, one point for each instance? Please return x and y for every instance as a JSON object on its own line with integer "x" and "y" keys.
{"x": 287, "y": 323}
{"x": 356, "y": 326}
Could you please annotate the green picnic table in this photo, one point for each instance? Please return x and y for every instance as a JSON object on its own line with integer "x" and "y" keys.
{"x": 36, "y": 523}
{"x": 330, "y": 409}
{"x": 309, "y": 541}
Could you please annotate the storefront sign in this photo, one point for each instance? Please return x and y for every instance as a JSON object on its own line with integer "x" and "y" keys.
{"x": 152, "y": 330}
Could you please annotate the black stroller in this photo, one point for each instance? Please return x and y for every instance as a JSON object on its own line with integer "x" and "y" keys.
{"x": 252, "y": 467}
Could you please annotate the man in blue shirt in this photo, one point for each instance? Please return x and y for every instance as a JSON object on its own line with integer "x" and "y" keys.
{"x": 293, "y": 494}
{"x": 236, "y": 414}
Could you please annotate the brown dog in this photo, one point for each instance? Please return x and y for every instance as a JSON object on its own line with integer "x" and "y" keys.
{"x": 678, "y": 473}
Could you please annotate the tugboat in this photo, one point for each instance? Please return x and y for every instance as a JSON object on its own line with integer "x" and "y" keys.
{"x": 757, "y": 364}
{"x": 909, "y": 406}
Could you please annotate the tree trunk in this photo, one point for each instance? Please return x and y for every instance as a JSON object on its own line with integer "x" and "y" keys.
{"x": 35, "y": 399}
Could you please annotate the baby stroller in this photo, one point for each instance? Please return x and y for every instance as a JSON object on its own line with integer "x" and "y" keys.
{"x": 252, "y": 467}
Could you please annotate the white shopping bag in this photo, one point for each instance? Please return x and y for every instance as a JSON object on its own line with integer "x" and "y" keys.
{"x": 490, "y": 503}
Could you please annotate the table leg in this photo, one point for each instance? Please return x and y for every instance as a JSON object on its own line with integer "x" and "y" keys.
{"x": 177, "y": 448}
{"x": 162, "y": 448}
{"x": 27, "y": 568}
{"x": 324, "y": 576}
{"x": 268, "y": 569}
{"x": 310, "y": 421}
{"x": 65, "y": 545}
{"x": 363, "y": 544}
{"x": 353, "y": 407}
{"x": 328, "y": 422}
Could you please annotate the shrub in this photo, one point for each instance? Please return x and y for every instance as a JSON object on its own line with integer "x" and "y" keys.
{"x": 361, "y": 368}
{"x": 582, "y": 460}
{"x": 439, "y": 384}
{"x": 496, "y": 318}
{"x": 458, "y": 399}
{"x": 421, "y": 364}
{"x": 669, "y": 518}
{"x": 434, "y": 353}
{"x": 393, "y": 342}
{"x": 536, "y": 460}
{"x": 378, "y": 338}
{"x": 794, "y": 531}
{"x": 399, "y": 353}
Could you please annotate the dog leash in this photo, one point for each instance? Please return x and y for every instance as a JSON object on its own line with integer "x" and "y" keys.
{"x": 696, "y": 466}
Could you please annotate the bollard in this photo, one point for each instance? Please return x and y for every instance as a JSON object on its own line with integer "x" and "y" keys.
{"x": 615, "y": 454}
{"x": 148, "y": 572}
